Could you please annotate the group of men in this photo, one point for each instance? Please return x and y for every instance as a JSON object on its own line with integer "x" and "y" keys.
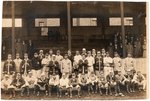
{"x": 94, "y": 71}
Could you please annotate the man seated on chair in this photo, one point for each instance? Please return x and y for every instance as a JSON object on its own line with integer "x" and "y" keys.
{"x": 128, "y": 82}
{"x": 54, "y": 83}
{"x": 17, "y": 84}
{"x": 5, "y": 83}
{"x": 31, "y": 81}
{"x": 120, "y": 80}
{"x": 42, "y": 85}
{"x": 111, "y": 81}
{"x": 74, "y": 84}
{"x": 93, "y": 81}
{"x": 102, "y": 83}
{"x": 64, "y": 84}
{"x": 84, "y": 82}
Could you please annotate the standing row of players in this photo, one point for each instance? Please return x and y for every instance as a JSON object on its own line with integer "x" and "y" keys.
{"x": 71, "y": 73}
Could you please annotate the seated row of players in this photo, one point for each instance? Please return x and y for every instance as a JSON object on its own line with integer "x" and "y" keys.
{"x": 73, "y": 82}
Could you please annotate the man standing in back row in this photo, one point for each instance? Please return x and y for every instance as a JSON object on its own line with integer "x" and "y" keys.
{"x": 66, "y": 65}
{"x": 91, "y": 62}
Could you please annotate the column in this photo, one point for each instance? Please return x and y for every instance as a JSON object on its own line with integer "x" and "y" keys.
{"x": 122, "y": 27}
{"x": 69, "y": 25}
{"x": 13, "y": 28}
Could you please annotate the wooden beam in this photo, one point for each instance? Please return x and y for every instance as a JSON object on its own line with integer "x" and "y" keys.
{"x": 13, "y": 28}
{"x": 69, "y": 25}
{"x": 122, "y": 27}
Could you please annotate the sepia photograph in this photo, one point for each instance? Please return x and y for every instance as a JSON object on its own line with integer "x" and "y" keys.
{"x": 74, "y": 50}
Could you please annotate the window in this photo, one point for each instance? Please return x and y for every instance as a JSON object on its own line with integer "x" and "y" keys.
{"x": 128, "y": 21}
{"x": 47, "y": 22}
{"x": 84, "y": 21}
{"x": 7, "y": 22}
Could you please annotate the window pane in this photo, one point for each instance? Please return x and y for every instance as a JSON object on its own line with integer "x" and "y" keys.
{"x": 40, "y": 22}
{"x": 18, "y": 22}
{"x": 84, "y": 21}
{"x": 53, "y": 22}
{"x": 44, "y": 31}
{"x": 115, "y": 21}
{"x": 7, "y": 22}
{"x": 128, "y": 21}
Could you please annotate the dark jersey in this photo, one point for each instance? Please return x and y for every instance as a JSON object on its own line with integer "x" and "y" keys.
{"x": 98, "y": 64}
{"x": 9, "y": 67}
{"x": 36, "y": 63}
{"x": 54, "y": 68}
{"x": 25, "y": 66}
{"x": 83, "y": 68}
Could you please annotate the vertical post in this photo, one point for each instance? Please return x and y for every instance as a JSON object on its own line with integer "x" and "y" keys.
{"x": 69, "y": 25}
{"x": 122, "y": 27}
{"x": 13, "y": 28}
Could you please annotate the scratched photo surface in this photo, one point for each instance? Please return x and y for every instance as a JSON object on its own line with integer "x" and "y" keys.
{"x": 77, "y": 50}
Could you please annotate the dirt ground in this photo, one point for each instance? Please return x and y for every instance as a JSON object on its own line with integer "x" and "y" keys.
{"x": 84, "y": 96}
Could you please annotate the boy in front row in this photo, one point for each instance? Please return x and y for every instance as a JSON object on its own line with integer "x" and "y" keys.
{"x": 111, "y": 82}
{"x": 139, "y": 79}
{"x": 31, "y": 81}
{"x": 120, "y": 80}
{"x": 84, "y": 82}
{"x": 42, "y": 84}
{"x": 54, "y": 83}
{"x": 5, "y": 84}
{"x": 93, "y": 81}
{"x": 18, "y": 83}
{"x": 74, "y": 84}
{"x": 64, "y": 84}
{"x": 102, "y": 83}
